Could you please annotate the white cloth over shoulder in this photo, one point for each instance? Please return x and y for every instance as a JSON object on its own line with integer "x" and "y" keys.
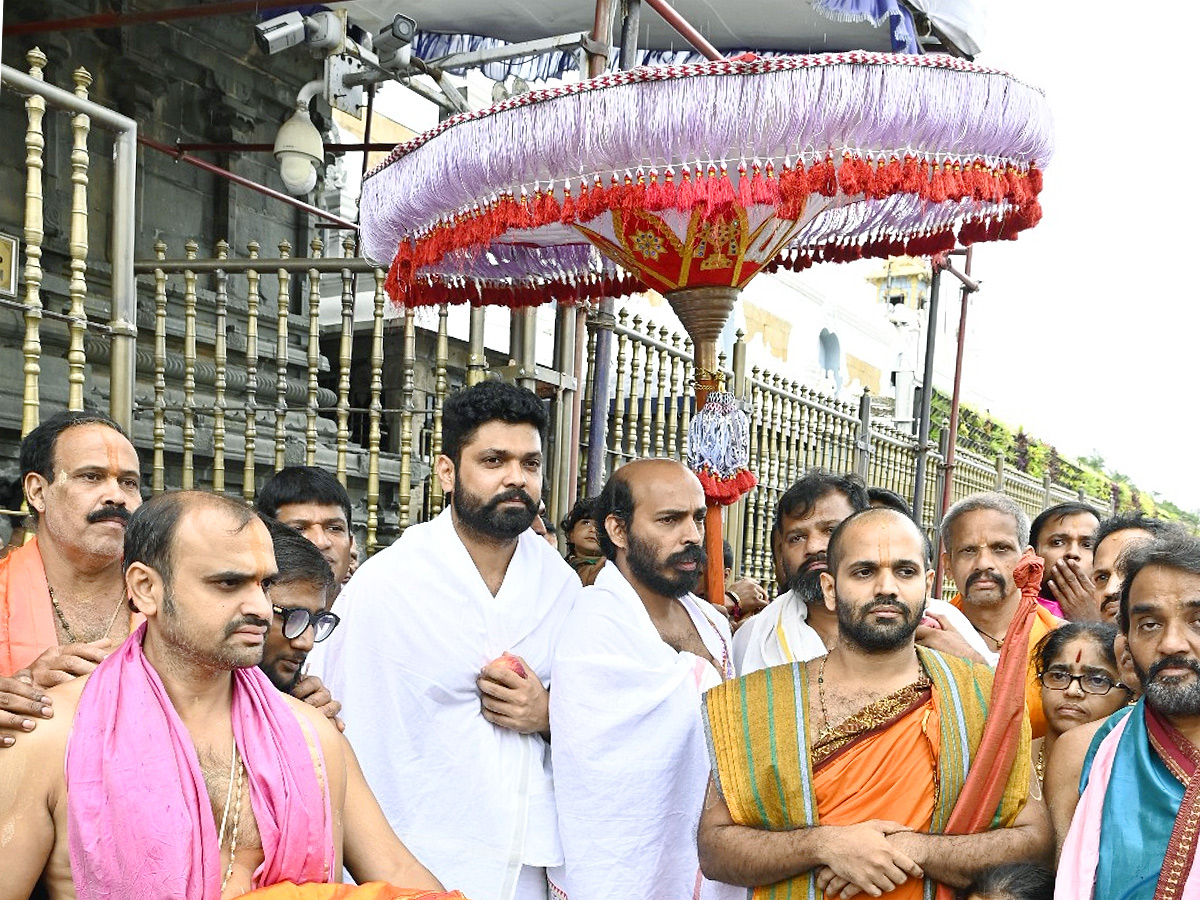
{"x": 473, "y": 801}
{"x": 780, "y": 634}
{"x": 630, "y": 760}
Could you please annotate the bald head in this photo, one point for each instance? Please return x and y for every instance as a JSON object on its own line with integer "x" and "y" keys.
{"x": 150, "y": 536}
{"x": 632, "y": 485}
{"x": 877, "y": 518}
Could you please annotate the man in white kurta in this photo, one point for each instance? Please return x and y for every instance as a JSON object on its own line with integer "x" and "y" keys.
{"x": 437, "y": 726}
{"x": 634, "y": 658}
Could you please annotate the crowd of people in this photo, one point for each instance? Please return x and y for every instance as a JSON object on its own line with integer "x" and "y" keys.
{"x": 199, "y": 699}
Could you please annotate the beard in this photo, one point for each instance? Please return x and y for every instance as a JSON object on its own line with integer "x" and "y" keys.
{"x": 1171, "y": 696}
{"x": 283, "y": 683}
{"x": 223, "y": 655}
{"x": 647, "y": 569}
{"x": 805, "y": 583}
{"x": 878, "y": 636}
{"x": 487, "y": 518}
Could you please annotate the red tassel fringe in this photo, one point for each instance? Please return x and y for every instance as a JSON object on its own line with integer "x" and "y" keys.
{"x": 788, "y": 191}
{"x": 725, "y": 491}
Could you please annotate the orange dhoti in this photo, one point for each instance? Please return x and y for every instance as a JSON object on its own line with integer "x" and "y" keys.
{"x": 375, "y": 890}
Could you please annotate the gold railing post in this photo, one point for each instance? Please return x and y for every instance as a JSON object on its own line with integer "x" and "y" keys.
{"x": 376, "y": 412}
{"x": 407, "y": 368}
{"x": 476, "y": 350}
{"x": 314, "y": 356}
{"x": 436, "y": 495}
{"x": 35, "y": 144}
{"x": 187, "y": 481}
{"x": 618, "y": 426}
{"x": 281, "y": 359}
{"x": 688, "y": 397}
{"x": 588, "y": 403}
{"x": 674, "y": 446}
{"x": 77, "y": 287}
{"x": 660, "y": 422}
{"x": 158, "y": 479}
{"x": 345, "y": 355}
{"x": 251, "y": 429}
{"x": 220, "y": 353}
{"x": 635, "y": 389}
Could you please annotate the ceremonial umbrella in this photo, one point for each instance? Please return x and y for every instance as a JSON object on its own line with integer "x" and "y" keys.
{"x": 692, "y": 179}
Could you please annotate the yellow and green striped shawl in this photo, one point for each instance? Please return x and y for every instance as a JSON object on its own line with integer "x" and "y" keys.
{"x": 758, "y": 733}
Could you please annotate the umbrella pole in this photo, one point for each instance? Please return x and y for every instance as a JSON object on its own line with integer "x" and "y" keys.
{"x": 704, "y": 312}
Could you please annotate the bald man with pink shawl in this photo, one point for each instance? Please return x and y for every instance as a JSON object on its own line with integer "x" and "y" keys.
{"x": 133, "y": 817}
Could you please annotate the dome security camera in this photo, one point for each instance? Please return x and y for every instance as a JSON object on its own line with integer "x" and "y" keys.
{"x": 299, "y": 149}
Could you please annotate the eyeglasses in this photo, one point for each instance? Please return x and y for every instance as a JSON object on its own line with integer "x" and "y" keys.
{"x": 1089, "y": 682}
{"x": 297, "y": 619}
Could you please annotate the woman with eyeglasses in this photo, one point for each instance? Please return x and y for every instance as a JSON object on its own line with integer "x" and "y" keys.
{"x": 1077, "y": 667}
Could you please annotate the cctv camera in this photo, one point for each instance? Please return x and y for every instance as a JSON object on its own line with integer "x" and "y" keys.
{"x": 391, "y": 44}
{"x": 279, "y": 33}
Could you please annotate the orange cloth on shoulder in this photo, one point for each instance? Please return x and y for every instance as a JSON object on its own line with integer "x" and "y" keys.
{"x": 889, "y": 775}
{"x": 1043, "y": 623}
{"x": 26, "y": 616}
{"x": 374, "y": 890}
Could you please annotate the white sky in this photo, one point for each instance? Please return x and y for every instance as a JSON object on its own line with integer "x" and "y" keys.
{"x": 1085, "y": 332}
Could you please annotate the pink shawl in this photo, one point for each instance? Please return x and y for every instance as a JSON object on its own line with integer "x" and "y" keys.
{"x": 140, "y": 824}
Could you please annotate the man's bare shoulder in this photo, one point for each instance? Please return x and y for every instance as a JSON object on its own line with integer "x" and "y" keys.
{"x": 50, "y": 736}
{"x": 332, "y": 742}
{"x": 1072, "y": 746}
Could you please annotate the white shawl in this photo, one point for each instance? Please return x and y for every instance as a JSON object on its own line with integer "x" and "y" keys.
{"x": 473, "y": 802}
{"x": 780, "y": 634}
{"x": 630, "y": 760}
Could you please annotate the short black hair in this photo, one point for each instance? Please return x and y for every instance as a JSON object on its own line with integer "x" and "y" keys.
{"x": 1014, "y": 881}
{"x": 302, "y": 484}
{"x": 615, "y": 499}
{"x": 150, "y": 532}
{"x": 1056, "y": 514}
{"x": 584, "y": 508}
{"x": 38, "y": 448}
{"x": 297, "y": 558}
{"x": 1102, "y": 634}
{"x": 799, "y": 500}
{"x": 489, "y": 401}
{"x": 1175, "y": 550}
{"x": 727, "y": 554}
{"x": 1131, "y": 522}
{"x": 833, "y": 552}
{"x": 878, "y": 496}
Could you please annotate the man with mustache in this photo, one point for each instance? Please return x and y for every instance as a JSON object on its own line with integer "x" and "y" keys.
{"x": 62, "y": 595}
{"x": 984, "y": 536}
{"x": 442, "y": 658}
{"x": 1123, "y": 791}
{"x": 635, "y": 656}
{"x": 838, "y": 776}
{"x": 796, "y": 626}
{"x": 174, "y": 769}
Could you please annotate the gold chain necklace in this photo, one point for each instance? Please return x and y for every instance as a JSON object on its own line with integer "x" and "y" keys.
{"x": 235, "y": 765}
{"x": 821, "y": 692}
{"x": 1040, "y": 766}
{"x": 998, "y": 641}
{"x": 62, "y": 619}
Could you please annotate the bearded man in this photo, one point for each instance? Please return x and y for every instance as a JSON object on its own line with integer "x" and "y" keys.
{"x": 442, "y": 658}
{"x": 796, "y": 626}
{"x": 1126, "y": 786}
{"x": 635, "y": 656}
{"x": 843, "y": 774}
